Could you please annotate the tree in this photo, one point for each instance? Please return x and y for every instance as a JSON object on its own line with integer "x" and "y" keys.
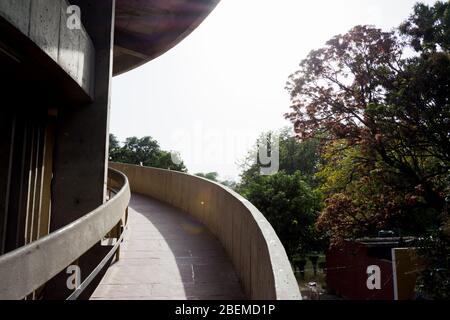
{"x": 142, "y": 151}
{"x": 113, "y": 142}
{"x": 291, "y": 207}
{"x": 164, "y": 160}
{"x": 210, "y": 176}
{"x": 286, "y": 198}
{"x": 230, "y": 184}
{"x": 114, "y": 146}
{"x": 214, "y": 176}
{"x": 428, "y": 30}
{"x": 429, "y": 27}
{"x": 384, "y": 114}
{"x": 383, "y": 120}
{"x": 293, "y": 156}
{"x": 434, "y": 281}
{"x": 358, "y": 202}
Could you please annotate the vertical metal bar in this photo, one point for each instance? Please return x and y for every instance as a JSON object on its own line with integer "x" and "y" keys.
{"x": 31, "y": 183}
{"x": 44, "y": 217}
{"x": 39, "y": 183}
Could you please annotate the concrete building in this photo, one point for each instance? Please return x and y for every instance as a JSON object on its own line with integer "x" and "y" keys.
{"x": 64, "y": 214}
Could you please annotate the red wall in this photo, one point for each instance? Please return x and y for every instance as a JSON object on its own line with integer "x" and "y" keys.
{"x": 347, "y": 273}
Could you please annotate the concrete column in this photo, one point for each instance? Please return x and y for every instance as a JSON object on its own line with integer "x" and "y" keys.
{"x": 81, "y": 146}
{"x": 81, "y": 141}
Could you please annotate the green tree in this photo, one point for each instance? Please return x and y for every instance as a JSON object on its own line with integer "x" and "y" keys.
{"x": 164, "y": 161}
{"x": 429, "y": 27}
{"x": 114, "y": 146}
{"x": 287, "y": 199}
{"x": 143, "y": 151}
{"x": 291, "y": 207}
{"x": 213, "y": 176}
{"x": 383, "y": 120}
{"x": 230, "y": 184}
{"x": 434, "y": 281}
{"x": 392, "y": 115}
{"x": 358, "y": 202}
{"x": 428, "y": 31}
{"x": 293, "y": 156}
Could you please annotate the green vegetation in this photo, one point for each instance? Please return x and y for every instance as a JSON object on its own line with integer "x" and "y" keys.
{"x": 287, "y": 198}
{"x": 372, "y": 144}
{"x": 142, "y": 151}
{"x": 213, "y": 176}
{"x": 290, "y": 205}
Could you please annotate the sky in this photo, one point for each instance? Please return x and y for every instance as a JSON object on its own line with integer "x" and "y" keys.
{"x": 214, "y": 93}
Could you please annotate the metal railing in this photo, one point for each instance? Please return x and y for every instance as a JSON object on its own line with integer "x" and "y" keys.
{"x": 29, "y": 267}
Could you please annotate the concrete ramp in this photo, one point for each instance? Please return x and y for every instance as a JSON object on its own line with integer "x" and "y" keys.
{"x": 167, "y": 254}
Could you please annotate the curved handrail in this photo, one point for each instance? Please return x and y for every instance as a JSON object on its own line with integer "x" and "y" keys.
{"x": 257, "y": 253}
{"x": 29, "y": 267}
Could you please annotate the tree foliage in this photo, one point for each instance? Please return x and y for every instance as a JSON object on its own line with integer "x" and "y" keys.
{"x": 293, "y": 156}
{"x": 213, "y": 176}
{"x": 358, "y": 202}
{"x": 287, "y": 198}
{"x": 434, "y": 281}
{"x": 143, "y": 151}
{"x": 387, "y": 119}
{"x": 383, "y": 121}
{"x": 429, "y": 27}
{"x": 291, "y": 206}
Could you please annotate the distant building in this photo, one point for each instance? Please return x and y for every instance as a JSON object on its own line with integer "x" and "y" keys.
{"x": 373, "y": 269}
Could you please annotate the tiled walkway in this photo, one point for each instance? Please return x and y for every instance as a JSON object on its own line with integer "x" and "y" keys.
{"x": 168, "y": 255}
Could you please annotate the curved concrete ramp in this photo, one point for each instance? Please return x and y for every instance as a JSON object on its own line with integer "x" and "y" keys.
{"x": 168, "y": 255}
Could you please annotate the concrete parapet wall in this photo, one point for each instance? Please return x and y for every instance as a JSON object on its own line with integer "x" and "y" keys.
{"x": 45, "y": 23}
{"x": 257, "y": 254}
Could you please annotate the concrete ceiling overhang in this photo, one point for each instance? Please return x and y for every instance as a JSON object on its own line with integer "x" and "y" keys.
{"x": 145, "y": 29}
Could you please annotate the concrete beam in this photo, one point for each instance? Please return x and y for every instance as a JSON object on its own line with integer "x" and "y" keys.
{"x": 17, "y": 12}
{"x": 45, "y": 23}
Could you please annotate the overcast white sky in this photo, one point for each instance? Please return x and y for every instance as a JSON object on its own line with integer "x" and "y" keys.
{"x": 216, "y": 91}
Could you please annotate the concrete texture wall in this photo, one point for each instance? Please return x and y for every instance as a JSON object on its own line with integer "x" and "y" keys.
{"x": 258, "y": 256}
{"x": 45, "y": 23}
